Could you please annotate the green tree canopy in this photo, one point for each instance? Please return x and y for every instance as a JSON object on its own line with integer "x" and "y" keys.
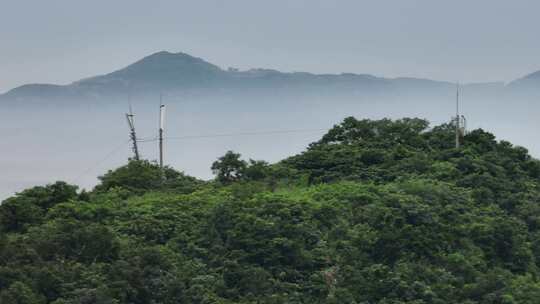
{"x": 141, "y": 176}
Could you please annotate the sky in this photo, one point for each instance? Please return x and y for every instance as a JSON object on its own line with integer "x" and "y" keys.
{"x": 60, "y": 41}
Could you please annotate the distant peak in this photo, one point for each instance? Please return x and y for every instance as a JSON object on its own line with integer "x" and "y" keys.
{"x": 535, "y": 75}
{"x": 162, "y": 53}
{"x": 165, "y": 60}
{"x": 169, "y": 55}
{"x": 527, "y": 80}
{"x": 161, "y": 68}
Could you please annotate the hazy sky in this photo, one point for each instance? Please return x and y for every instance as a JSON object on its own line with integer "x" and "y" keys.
{"x": 59, "y": 41}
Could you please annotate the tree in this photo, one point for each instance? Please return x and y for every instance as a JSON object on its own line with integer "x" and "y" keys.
{"x": 19, "y": 293}
{"x": 140, "y": 176}
{"x": 257, "y": 170}
{"x": 229, "y": 168}
{"x": 29, "y": 206}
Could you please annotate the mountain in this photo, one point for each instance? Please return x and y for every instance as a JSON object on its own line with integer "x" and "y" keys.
{"x": 533, "y": 78}
{"x": 160, "y": 70}
{"x": 527, "y": 87}
{"x": 157, "y": 72}
{"x": 180, "y": 73}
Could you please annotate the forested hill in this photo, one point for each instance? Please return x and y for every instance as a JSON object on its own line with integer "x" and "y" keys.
{"x": 374, "y": 212}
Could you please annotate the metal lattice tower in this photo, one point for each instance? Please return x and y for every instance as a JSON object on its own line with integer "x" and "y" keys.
{"x": 132, "y": 134}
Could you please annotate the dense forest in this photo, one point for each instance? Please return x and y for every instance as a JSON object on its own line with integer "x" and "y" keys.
{"x": 385, "y": 211}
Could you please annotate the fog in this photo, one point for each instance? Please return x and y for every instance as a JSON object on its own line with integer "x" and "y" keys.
{"x": 78, "y": 134}
{"x": 79, "y": 141}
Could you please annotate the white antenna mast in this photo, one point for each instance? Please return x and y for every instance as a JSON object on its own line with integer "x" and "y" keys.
{"x": 460, "y": 120}
{"x": 161, "y": 128}
{"x": 457, "y": 117}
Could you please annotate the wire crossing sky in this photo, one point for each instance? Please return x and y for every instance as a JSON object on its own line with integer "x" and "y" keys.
{"x": 60, "y": 41}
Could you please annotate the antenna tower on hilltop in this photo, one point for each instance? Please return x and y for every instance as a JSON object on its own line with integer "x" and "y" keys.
{"x": 132, "y": 134}
{"x": 460, "y": 121}
{"x": 161, "y": 129}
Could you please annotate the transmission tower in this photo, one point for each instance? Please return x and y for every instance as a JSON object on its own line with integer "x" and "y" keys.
{"x": 132, "y": 134}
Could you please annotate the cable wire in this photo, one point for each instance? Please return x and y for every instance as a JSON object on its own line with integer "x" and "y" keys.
{"x": 246, "y": 133}
{"x": 145, "y": 140}
{"x": 106, "y": 157}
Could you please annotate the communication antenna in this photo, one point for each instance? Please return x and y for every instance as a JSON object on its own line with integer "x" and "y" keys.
{"x": 161, "y": 129}
{"x": 460, "y": 121}
{"x": 132, "y": 135}
{"x": 457, "y": 116}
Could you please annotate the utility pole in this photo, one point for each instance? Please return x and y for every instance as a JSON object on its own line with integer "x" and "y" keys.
{"x": 161, "y": 128}
{"x": 458, "y": 130}
{"x": 132, "y": 134}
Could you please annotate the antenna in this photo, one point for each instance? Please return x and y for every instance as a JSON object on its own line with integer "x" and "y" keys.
{"x": 457, "y": 117}
{"x": 161, "y": 129}
{"x": 132, "y": 135}
{"x": 460, "y": 121}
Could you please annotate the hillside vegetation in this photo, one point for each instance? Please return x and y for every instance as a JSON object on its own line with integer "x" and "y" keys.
{"x": 374, "y": 212}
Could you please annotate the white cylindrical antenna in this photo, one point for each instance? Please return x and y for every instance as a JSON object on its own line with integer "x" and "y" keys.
{"x": 162, "y": 117}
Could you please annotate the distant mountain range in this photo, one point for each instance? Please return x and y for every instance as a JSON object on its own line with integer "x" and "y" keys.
{"x": 181, "y": 73}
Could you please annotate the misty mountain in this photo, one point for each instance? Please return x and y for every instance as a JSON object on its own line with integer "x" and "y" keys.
{"x": 180, "y": 73}
{"x": 526, "y": 87}
{"x": 531, "y": 79}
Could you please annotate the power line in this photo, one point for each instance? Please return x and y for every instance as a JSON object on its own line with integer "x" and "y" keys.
{"x": 144, "y": 140}
{"x": 106, "y": 157}
{"x": 246, "y": 134}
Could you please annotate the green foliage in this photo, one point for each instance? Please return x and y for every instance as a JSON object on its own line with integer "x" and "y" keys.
{"x": 141, "y": 176}
{"x": 19, "y": 293}
{"x": 229, "y": 168}
{"x": 28, "y": 207}
{"x": 375, "y": 212}
{"x": 384, "y": 151}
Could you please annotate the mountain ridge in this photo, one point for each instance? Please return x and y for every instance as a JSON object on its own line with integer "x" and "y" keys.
{"x": 179, "y": 71}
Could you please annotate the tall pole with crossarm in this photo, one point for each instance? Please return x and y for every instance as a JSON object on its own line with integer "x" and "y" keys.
{"x": 161, "y": 129}
{"x": 132, "y": 135}
{"x": 458, "y": 129}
